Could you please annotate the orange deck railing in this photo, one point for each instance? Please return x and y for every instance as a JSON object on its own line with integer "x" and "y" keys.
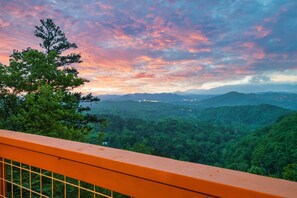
{"x": 56, "y": 167}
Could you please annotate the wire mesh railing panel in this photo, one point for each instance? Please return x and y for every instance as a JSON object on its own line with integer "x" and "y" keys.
{"x": 22, "y": 180}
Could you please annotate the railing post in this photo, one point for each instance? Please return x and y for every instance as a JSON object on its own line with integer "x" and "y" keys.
{"x": 3, "y": 186}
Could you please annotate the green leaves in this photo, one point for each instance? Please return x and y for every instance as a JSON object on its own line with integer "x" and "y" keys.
{"x": 36, "y": 95}
{"x": 290, "y": 172}
{"x": 270, "y": 151}
{"x": 30, "y": 69}
{"x": 46, "y": 113}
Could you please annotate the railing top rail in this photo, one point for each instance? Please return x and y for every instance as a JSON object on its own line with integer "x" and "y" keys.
{"x": 195, "y": 177}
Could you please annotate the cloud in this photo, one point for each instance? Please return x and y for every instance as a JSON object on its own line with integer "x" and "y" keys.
{"x": 143, "y": 75}
{"x": 285, "y": 77}
{"x": 3, "y": 23}
{"x": 259, "y": 79}
{"x": 164, "y": 45}
{"x": 260, "y": 31}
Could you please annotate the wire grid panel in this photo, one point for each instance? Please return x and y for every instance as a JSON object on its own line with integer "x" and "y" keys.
{"x": 22, "y": 180}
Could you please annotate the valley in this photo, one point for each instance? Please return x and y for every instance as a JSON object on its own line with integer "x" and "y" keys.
{"x": 231, "y": 130}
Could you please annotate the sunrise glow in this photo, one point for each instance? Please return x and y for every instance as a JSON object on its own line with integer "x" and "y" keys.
{"x": 165, "y": 45}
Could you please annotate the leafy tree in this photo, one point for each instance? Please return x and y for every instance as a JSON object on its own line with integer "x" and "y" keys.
{"x": 290, "y": 172}
{"x": 257, "y": 170}
{"x": 36, "y": 95}
{"x": 53, "y": 39}
{"x": 269, "y": 151}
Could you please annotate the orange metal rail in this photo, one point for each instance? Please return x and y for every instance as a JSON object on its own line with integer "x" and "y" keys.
{"x": 2, "y": 175}
{"x": 134, "y": 174}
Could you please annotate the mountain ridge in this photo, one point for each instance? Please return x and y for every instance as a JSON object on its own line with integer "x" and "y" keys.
{"x": 285, "y": 100}
{"x": 246, "y": 88}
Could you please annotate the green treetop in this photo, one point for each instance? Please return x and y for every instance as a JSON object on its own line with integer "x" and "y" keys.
{"x": 37, "y": 96}
{"x": 53, "y": 39}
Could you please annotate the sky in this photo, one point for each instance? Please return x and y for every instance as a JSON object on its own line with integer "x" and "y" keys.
{"x": 136, "y": 46}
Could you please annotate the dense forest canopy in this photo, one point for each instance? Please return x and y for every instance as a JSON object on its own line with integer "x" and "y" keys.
{"x": 245, "y": 137}
{"x": 269, "y": 151}
{"x": 238, "y": 117}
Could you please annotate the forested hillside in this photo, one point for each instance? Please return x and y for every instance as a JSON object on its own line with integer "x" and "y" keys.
{"x": 143, "y": 110}
{"x": 234, "y": 130}
{"x": 243, "y": 117}
{"x": 269, "y": 151}
{"x": 193, "y": 141}
{"x": 285, "y": 100}
{"x": 236, "y": 117}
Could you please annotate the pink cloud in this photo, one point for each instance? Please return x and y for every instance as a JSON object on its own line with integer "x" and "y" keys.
{"x": 141, "y": 47}
{"x": 198, "y": 37}
{"x": 104, "y": 6}
{"x": 144, "y": 75}
{"x": 252, "y": 52}
{"x": 261, "y": 31}
{"x": 260, "y": 54}
{"x": 258, "y": 31}
{"x": 159, "y": 35}
{"x": 248, "y": 45}
{"x": 4, "y": 23}
{"x": 187, "y": 73}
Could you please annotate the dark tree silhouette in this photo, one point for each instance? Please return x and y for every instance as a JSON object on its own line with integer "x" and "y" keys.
{"x": 54, "y": 39}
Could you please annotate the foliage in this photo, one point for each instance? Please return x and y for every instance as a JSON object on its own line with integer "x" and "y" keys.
{"x": 290, "y": 172}
{"x": 143, "y": 110}
{"x": 192, "y": 141}
{"x": 241, "y": 118}
{"x": 50, "y": 115}
{"x": 270, "y": 151}
{"x": 53, "y": 39}
{"x": 246, "y": 117}
{"x": 36, "y": 89}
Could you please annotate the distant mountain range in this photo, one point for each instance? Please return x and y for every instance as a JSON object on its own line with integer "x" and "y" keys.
{"x": 233, "y": 108}
{"x": 158, "y": 97}
{"x": 198, "y": 93}
{"x": 285, "y": 100}
{"x": 248, "y": 88}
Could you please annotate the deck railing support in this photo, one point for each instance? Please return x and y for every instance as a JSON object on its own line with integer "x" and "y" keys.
{"x": 3, "y": 186}
{"x": 135, "y": 174}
